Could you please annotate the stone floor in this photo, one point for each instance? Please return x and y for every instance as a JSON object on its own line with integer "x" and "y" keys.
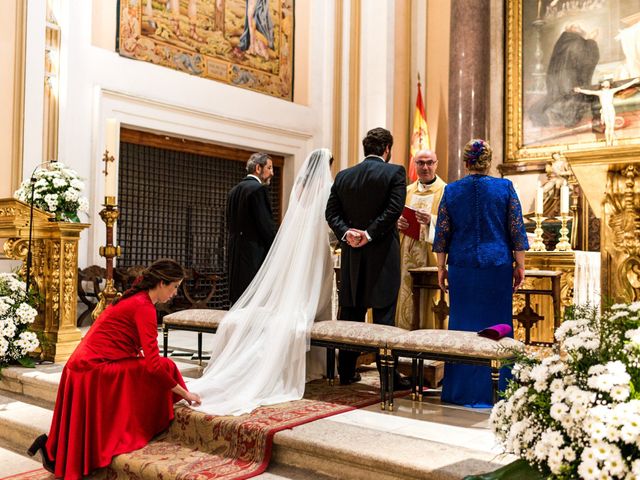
{"x": 417, "y": 440}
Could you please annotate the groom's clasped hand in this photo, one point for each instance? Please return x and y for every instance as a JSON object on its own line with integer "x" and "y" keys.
{"x": 356, "y": 238}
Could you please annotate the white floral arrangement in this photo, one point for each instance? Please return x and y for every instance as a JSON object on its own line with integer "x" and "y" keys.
{"x": 56, "y": 190}
{"x": 16, "y": 314}
{"x": 576, "y": 413}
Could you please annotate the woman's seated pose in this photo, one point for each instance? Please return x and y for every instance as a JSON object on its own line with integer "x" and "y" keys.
{"x": 116, "y": 392}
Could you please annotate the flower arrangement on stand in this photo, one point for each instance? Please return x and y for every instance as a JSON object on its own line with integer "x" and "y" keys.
{"x": 576, "y": 413}
{"x": 16, "y": 314}
{"x": 56, "y": 190}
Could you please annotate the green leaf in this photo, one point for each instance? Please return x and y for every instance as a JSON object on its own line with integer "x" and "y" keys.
{"x": 518, "y": 469}
{"x": 27, "y": 362}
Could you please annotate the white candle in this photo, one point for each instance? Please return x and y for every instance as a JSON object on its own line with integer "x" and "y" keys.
{"x": 564, "y": 199}
{"x": 539, "y": 199}
{"x": 111, "y": 136}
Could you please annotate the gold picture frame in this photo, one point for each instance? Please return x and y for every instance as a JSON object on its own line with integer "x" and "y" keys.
{"x": 537, "y": 124}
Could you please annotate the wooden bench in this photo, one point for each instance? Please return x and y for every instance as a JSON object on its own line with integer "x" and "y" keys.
{"x": 193, "y": 320}
{"x": 453, "y": 346}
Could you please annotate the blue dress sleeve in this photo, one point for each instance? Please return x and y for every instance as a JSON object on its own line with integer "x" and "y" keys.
{"x": 517, "y": 231}
{"x": 443, "y": 228}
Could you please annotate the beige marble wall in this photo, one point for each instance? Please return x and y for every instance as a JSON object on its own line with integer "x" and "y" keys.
{"x": 436, "y": 79}
{"x": 469, "y": 78}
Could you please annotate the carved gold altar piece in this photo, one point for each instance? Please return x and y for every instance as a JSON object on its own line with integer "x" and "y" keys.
{"x": 610, "y": 178}
{"x": 54, "y": 272}
{"x": 563, "y": 262}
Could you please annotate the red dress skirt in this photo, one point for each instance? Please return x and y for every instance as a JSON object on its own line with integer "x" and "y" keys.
{"x": 111, "y": 399}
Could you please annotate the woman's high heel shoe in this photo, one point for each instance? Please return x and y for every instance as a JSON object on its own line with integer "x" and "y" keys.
{"x": 39, "y": 444}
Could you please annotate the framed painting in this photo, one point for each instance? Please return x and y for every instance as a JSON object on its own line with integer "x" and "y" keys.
{"x": 245, "y": 43}
{"x": 572, "y": 69}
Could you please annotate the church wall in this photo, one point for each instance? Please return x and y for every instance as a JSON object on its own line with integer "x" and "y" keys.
{"x": 96, "y": 83}
{"x": 12, "y": 87}
{"x": 7, "y": 71}
{"x": 436, "y": 77}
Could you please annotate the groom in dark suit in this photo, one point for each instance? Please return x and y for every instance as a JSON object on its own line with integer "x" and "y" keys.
{"x": 365, "y": 202}
{"x": 250, "y": 223}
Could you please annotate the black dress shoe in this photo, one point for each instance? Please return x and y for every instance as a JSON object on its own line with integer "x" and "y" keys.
{"x": 39, "y": 444}
{"x": 348, "y": 381}
{"x": 401, "y": 383}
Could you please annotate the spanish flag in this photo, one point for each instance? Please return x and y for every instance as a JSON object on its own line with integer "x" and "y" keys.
{"x": 419, "y": 135}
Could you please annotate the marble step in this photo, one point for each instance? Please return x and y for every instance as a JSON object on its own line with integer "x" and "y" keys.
{"x": 358, "y": 453}
{"x": 12, "y": 463}
{"x": 357, "y": 445}
{"x": 21, "y": 423}
{"x": 323, "y": 449}
{"x": 40, "y": 385}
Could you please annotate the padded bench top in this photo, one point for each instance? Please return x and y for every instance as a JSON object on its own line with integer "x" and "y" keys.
{"x": 455, "y": 342}
{"x": 195, "y": 317}
{"x": 354, "y": 333}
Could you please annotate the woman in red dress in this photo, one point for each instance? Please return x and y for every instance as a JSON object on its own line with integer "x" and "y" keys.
{"x": 116, "y": 392}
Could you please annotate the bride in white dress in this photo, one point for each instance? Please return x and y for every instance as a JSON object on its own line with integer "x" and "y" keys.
{"x": 258, "y": 357}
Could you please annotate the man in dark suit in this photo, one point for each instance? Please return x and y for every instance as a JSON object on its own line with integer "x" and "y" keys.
{"x": 250, "y": 223}
{"x": 365, "y": 202}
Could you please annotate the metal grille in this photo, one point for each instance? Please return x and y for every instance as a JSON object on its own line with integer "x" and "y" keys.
{"x": 172, "y": 204}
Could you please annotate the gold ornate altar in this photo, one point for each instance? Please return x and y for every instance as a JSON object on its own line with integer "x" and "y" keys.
{"x": 610, "y": 179}
{"x": 564, "y": 262}
{"x": 54, "y": 270}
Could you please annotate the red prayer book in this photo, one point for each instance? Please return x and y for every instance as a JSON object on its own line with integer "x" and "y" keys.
{"x": 409, "y": 213}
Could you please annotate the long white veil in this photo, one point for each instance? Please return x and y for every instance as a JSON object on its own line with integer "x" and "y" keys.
{"x": 258, "y": 357}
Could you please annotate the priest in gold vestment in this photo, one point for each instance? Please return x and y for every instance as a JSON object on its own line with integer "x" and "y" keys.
{"x": 424, "y": 196}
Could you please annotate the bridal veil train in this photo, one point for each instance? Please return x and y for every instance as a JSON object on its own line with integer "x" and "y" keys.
{"x": 258, "y": 357}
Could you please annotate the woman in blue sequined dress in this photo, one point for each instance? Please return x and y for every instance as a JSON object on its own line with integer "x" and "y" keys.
{"x": 479, "y": 235}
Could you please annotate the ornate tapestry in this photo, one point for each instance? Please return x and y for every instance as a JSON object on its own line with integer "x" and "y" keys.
{"x": 246, "y": 43}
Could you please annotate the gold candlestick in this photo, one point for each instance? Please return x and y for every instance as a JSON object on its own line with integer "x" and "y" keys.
{"x": 563, "y": 245}
{"x": 538, "y": 244}
{"x": 109, "y": 215}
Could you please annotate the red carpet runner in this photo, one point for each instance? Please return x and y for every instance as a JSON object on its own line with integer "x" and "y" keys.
{"x": 202, "y": 447}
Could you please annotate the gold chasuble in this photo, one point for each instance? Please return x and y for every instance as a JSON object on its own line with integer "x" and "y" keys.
{"x": 417, "y": 253}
